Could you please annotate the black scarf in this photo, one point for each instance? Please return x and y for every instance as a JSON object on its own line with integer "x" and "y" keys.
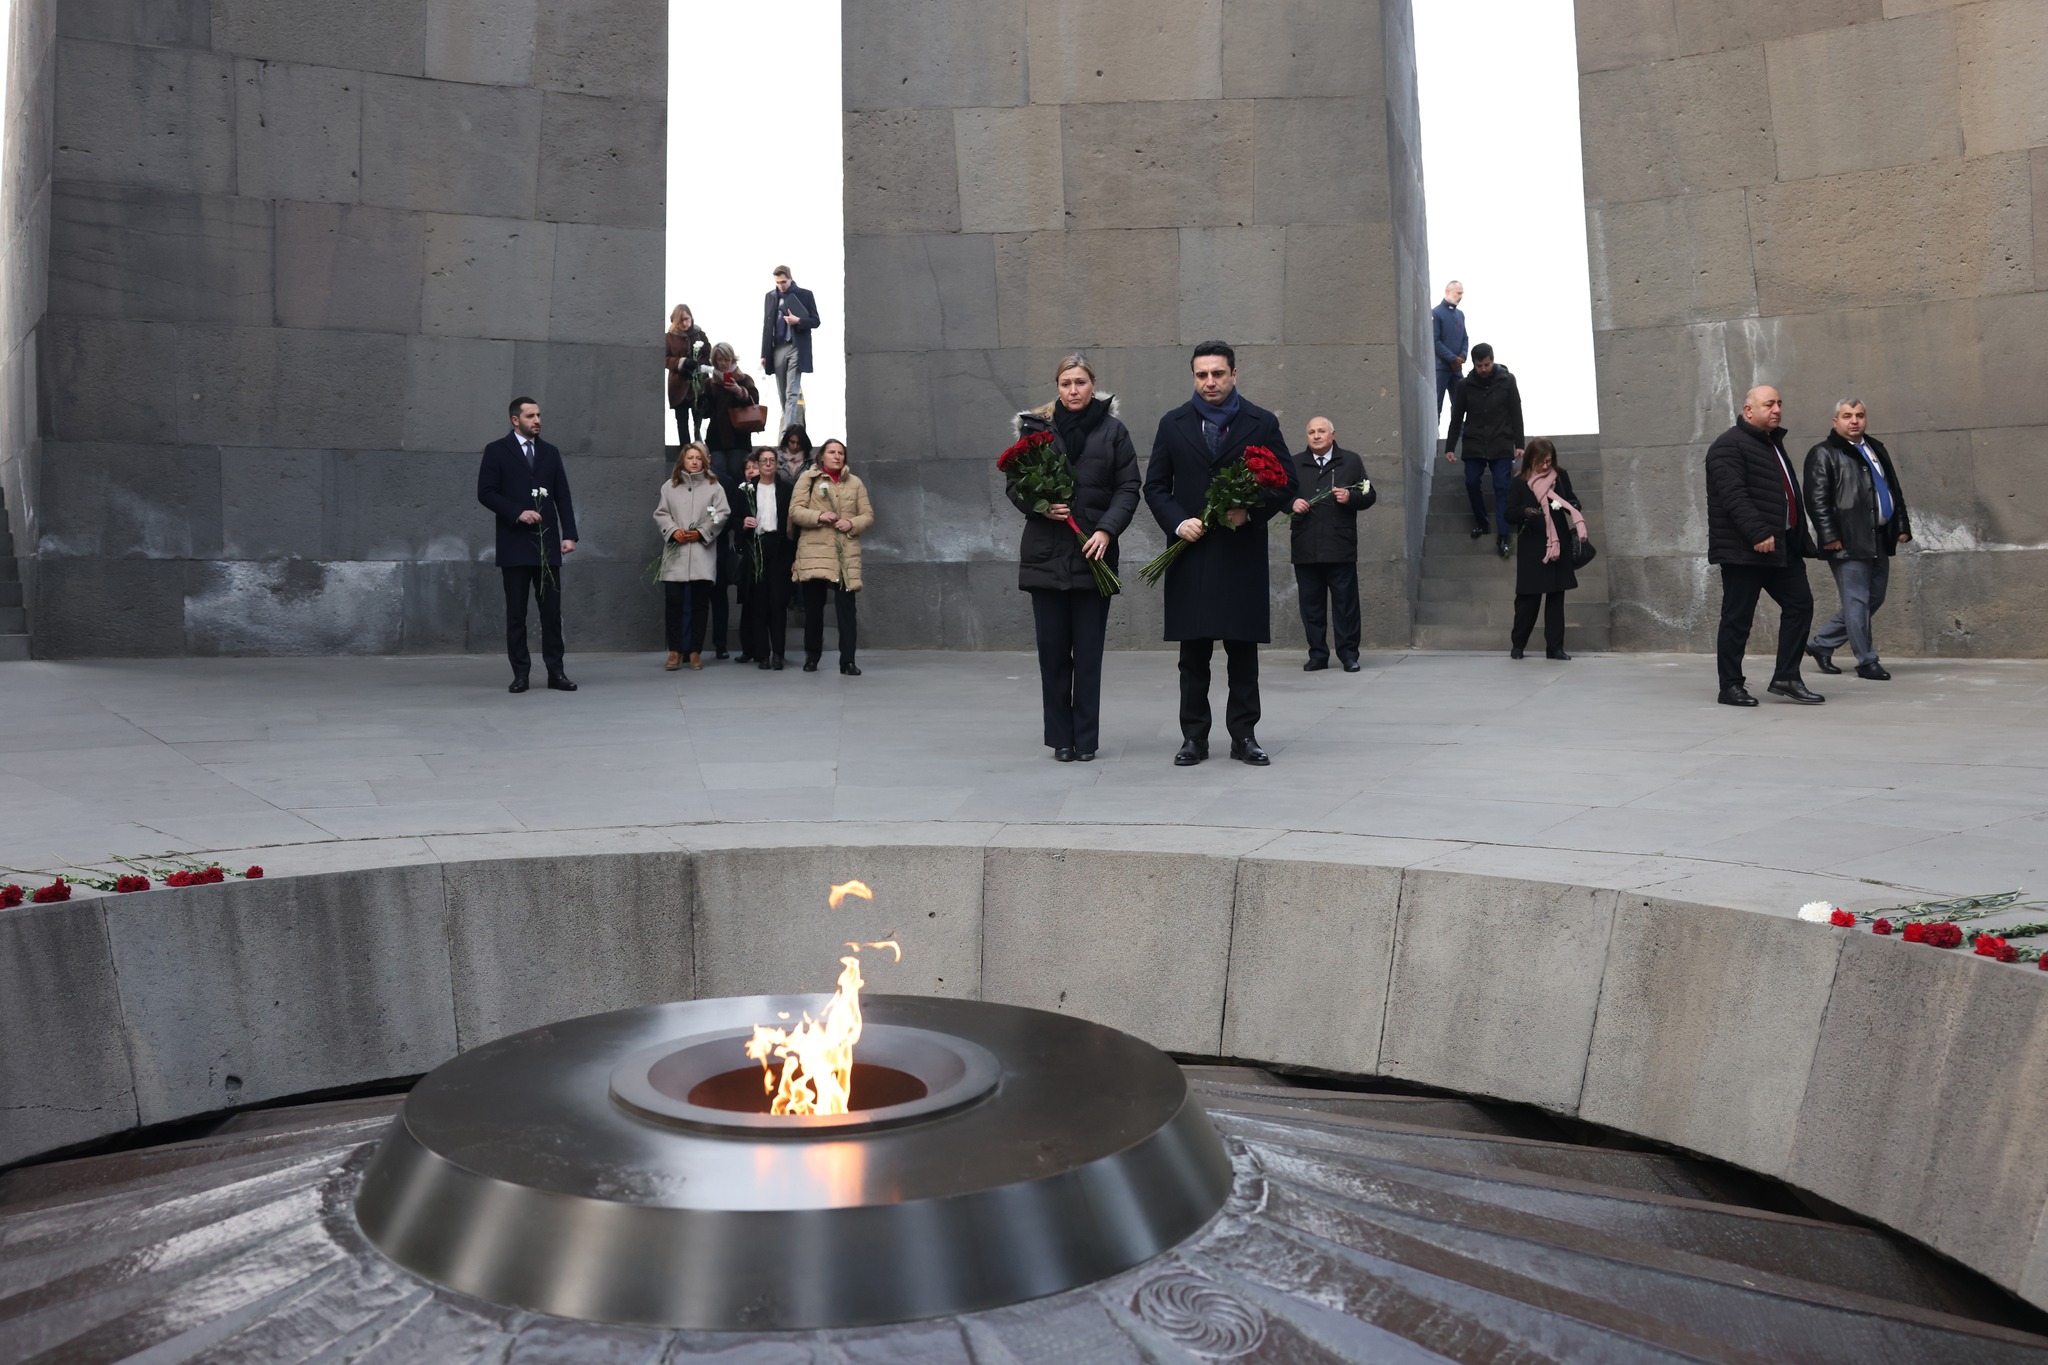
{"x": 1075, "y": 428}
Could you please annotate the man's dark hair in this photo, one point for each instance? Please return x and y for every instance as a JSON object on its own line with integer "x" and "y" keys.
{"x": 1221, "y": 348}
{"x": 1481, "y": 352}
{"x": 519, "y": 403}
{"x": 783, "y": 270}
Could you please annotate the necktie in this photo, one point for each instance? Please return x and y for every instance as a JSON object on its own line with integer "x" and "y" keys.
{"x": 527, "y": 448}
{"x": 1791, "y": 498}
{"x": 1878, "y": 481}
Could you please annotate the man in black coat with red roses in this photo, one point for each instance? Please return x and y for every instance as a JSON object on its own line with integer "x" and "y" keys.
{"x": 1217, "y": 589}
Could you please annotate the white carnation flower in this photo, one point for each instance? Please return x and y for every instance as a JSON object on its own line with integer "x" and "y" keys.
{"x": 1816, "y": 912}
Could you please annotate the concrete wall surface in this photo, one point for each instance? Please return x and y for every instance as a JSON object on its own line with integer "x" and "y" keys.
{"x": 1901, "y": 1082}
{"x": 300, "y": 256}
{"x": 25, "y": 163}
{"x": 1026, "y": 178}
{"x": 1844, "y": 198}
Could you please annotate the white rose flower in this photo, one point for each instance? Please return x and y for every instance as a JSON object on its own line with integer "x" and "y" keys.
{"x": 1556, "y": 506}
{"x": 1365, "y": 485}
{"x": 1816, "y": 912}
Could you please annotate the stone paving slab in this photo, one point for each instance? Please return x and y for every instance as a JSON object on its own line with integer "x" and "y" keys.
{"x": 1610, "y": 771}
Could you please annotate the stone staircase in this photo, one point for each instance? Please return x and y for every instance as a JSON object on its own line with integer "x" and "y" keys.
{"x": 13, "y": 614}
{"x": 1468, "y": 590}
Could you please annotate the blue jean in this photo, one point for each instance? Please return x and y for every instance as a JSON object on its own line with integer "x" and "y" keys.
{"x": 1475, "y": 472}
{"x": 1446, "y": 384}
{"x": 1861, "y": 584}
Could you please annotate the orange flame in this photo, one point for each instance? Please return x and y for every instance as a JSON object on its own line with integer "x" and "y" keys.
{"x": 816, "y": 1074}
{"x": 845, "y": 889}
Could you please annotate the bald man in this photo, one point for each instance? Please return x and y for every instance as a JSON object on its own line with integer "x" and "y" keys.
{"x": 1757, "y": 534}
{"x": 1323, "y": 543}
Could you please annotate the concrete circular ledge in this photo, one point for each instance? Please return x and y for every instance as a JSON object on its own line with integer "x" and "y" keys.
{"x": 1905, "y": 1084}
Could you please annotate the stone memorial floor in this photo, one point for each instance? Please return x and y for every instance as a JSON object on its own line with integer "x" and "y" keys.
{"x": 1613, "y": 770}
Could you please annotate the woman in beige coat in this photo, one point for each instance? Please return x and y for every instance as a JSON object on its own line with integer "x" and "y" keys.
{"x": 691, "y": 511}
{"x": 830, "y": 512}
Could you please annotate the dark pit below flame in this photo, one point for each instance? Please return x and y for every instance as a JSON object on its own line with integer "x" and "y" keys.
{"x": 741, "y": 1091}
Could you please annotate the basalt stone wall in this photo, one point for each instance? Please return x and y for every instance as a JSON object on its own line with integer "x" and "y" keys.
{"x": 25, "y": 164}
{"x": 1844, "y": 198}
{"x": 1124, "y": 177}
{"x": 300, "y": 255}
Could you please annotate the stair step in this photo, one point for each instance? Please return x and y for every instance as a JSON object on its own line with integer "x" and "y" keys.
{"x": 1494, "y": 639}
{"x": 10, "y": 593}
{"x": 10, "y": 569}
{"x": 13, "y": 621}
{"x": 1449, "y": 590}
{"x": 1500, "y": 611}
{"x": 13, "y": 648}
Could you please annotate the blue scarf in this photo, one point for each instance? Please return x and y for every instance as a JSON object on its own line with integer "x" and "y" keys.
{"x": 1216, "y": 418}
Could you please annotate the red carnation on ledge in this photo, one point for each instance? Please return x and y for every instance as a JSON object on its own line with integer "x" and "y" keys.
{"x": 1992, "y": 946}
{"x": 1842, "y": 919}
{"x": 1915, "y": 933}
{"x": 1883, "y": 926}
{"x": 131, "y": 883}
{"x": 59, "y": 890}
{"x": 253, "y": 873}
{"x": 1238, "y": 486}
{"x": 1944, "y": 936}
{"x": 11, "y": 896}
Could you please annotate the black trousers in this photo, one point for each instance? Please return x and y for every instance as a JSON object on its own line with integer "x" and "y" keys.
{"x": 1327, "y": 589}
{"x": 685, "y": 607}
{"x": 765, "y": 617}
{"x": 1071, "y": 627}
{"x": 1741, "y": 584}
{"x": 1553, "y": 620}
{"x": 814, "y": 620}
{"x": 1241, "y": 710}
{"x": 520, "y": 579}
{"x": 684, "y": 417}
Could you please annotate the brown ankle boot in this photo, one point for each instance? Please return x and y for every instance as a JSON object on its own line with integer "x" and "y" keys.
{"x": 673, "y": 662}
{"x": 696, "y": 660}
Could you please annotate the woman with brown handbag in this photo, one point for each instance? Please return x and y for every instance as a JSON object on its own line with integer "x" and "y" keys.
{"x": 736, "y": 413}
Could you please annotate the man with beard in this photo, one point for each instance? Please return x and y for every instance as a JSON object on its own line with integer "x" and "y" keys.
{"x": 1487, "y": 413}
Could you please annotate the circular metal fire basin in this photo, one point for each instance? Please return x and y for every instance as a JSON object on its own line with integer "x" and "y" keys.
{"x": 935, "y": 1072}
{"x": 530, "y": 1173}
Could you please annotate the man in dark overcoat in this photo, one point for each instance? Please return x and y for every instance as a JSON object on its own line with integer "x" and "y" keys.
{"x": 788, "y": 317}
{"x": 1323, "y": 543}
{"x": 1757, "y": 534}
{"x": 1218, "y": 588}
{"x": 524, "y": 484}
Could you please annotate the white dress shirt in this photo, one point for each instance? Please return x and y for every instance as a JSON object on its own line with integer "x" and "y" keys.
{"x": 764, "y": 513}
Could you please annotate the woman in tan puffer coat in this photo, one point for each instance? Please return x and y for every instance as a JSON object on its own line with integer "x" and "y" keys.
{"x": 692, "y": 510}
{"x": 830, "y": 512}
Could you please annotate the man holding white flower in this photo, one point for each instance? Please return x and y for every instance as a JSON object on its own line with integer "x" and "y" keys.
{"x": 1334, "y": 490}
{"x": 524, "y": 484}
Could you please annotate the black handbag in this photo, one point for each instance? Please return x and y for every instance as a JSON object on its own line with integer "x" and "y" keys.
{"x": 1582, "y": 548}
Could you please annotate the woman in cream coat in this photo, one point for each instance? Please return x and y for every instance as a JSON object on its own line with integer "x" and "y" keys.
{"x": 692, "y": 510}
{"x": 830, "y": 511}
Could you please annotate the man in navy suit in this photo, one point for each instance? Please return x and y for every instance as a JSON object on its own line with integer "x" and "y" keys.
{"x": 1217, "y": 589}
{"x": 788, "y": 315}
{"x": 523, "y": 483}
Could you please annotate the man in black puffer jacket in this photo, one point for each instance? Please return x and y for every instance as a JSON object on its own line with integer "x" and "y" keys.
{"x": 1756, "y": 532}
{"x": 1487, "y": 413}
{"x": 1859, "y": 517}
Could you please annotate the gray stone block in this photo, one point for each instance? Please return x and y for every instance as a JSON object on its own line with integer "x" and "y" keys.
{"x": 1708, "y": 1019}
{"x": 888, "y": 401}
{"x": 900, "y": 172}
{"x": 485, "y": 42}
{"x": 1296, "y": 49}
{"x": 106, "y": 380}
{"x": 975, "y": 399}
{"x": 153, "y": 23}
{"x": 921, "y": 292}
{"x": 1668, "y": 603}
{"x": 1662, "y": 261}
{"x": 1872, "y": 95}
{"x": 595, "y": 399}
{"x": 615, "y": 513}
{"x": 2040, "y": 161}
{"x": 600, "y": 292}
{"x": 1681, "y": 127}
{"x": 298, "y": 132}
{"x": 157, "y": 117}
{"x": 1948, "y": 1131}
{"x": 1666, "y": 386}
{"x": 1656, "y": 500}
{"x": 1616, "y": 33}
{"x": 1975, "y": 605}
{"x": 1164, "y": 164}
{"x": 109, "y": 608}
{"x": 913, "y": 54}
{"x": 64, "y": 1070}
{"x": 439, "y": 599}
{"x": 2004, "y": 49}
{"x": 1962, "y": 229}
{"x": 251, "y": 991}
{"x": 536, "y": 940}
{"x": 295, "y": 606}
{"x": 366, "y": 35}
{"x": 118, "y": 501}
{"x": 349, "y": 267}
{"x": 2004, "y": 459}
{"x": 603, "y": 161}
{"x": 900, "y": 605}
{"x": 1310, "y": 949}
{"x": 456, "y": 392}
{"x": 271, "y": 386}
{"x": 1495, "y": 985}
{"x": 404, "y": 505}
{"x": 270, "y": 504}
{"x": 1163, "y": 50}
{"x": 1322, "y": 161}
{"x": 1072, "y": 289}
{"x": 1731, "y": 23}
{"x": 1353, "y": 386}
{"x": 1340, "y": 283}
{"x": 763, "y": 926}
{"x": 1233, "y": 282}
{"x": 1133, "y": 939}
{"x": 603, "y": 47}
{"x": 488, "y": 277}
{"x": 447, "y": 148}
{"x": 1009, "y": 169}
{"x": 151, "y": 255}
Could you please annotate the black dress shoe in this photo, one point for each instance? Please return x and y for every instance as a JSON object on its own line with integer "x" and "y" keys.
{"x": 1351, "y": 665}
{"x": 723, "y": 654}
{"x": 1823, "y": 659}
{"x": 1507, "y": 547}
{"x": 1558, "y": 655}
{"x": 1063, "y": 755}
{"x": 1737, "y": 695}
{"x": 850, "y": 670}
{"x": 775, "y": 664}
{"x": 745, "y": 659}
{"x": 1791, "y": 689}
{"x": 518, "y": 684}
{"x": 810, "y": 665}
{"x": 1478, "y": 531}
{"x": 559, "y": 682}
{"x": 1315, "y": 665}
{"x": 1087, "y": 757}
{"x": 1249, "y": 751}
{"x": 1874, "y": 672}
{"x": 1515, "y": 653}
{"x": 1190, "y": 754}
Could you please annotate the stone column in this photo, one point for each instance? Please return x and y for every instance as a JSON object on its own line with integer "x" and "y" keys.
{"x": 1124, "y": 177}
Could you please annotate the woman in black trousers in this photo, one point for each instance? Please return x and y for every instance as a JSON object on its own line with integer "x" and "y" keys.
{"x": 1070, "y": 612}
{"x": 1542, "y": 504}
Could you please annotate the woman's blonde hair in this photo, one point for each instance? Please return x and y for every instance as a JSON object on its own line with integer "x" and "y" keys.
{"x": 675, "y": 476}
{"x": 1074, "y": 361}
{"x": 724, "y": 351}
{"x": 681, "y": 308}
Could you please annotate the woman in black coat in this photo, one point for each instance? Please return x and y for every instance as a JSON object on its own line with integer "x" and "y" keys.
{"x": 1542, "y": 504}
{"x": 1069, "y": 611}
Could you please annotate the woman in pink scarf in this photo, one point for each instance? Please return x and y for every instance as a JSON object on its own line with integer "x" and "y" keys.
{"x": 1543, "y": 505}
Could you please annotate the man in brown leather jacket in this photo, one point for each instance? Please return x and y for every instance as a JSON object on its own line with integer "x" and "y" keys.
{"x": 1858, "y": 511}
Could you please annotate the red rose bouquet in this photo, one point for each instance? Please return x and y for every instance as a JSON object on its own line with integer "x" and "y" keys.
{"x": 1241, "y": 484}
{"x": 1041, "y": 478}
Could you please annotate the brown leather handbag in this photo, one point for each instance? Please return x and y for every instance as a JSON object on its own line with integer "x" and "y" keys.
{"x": 748, "y": 417}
